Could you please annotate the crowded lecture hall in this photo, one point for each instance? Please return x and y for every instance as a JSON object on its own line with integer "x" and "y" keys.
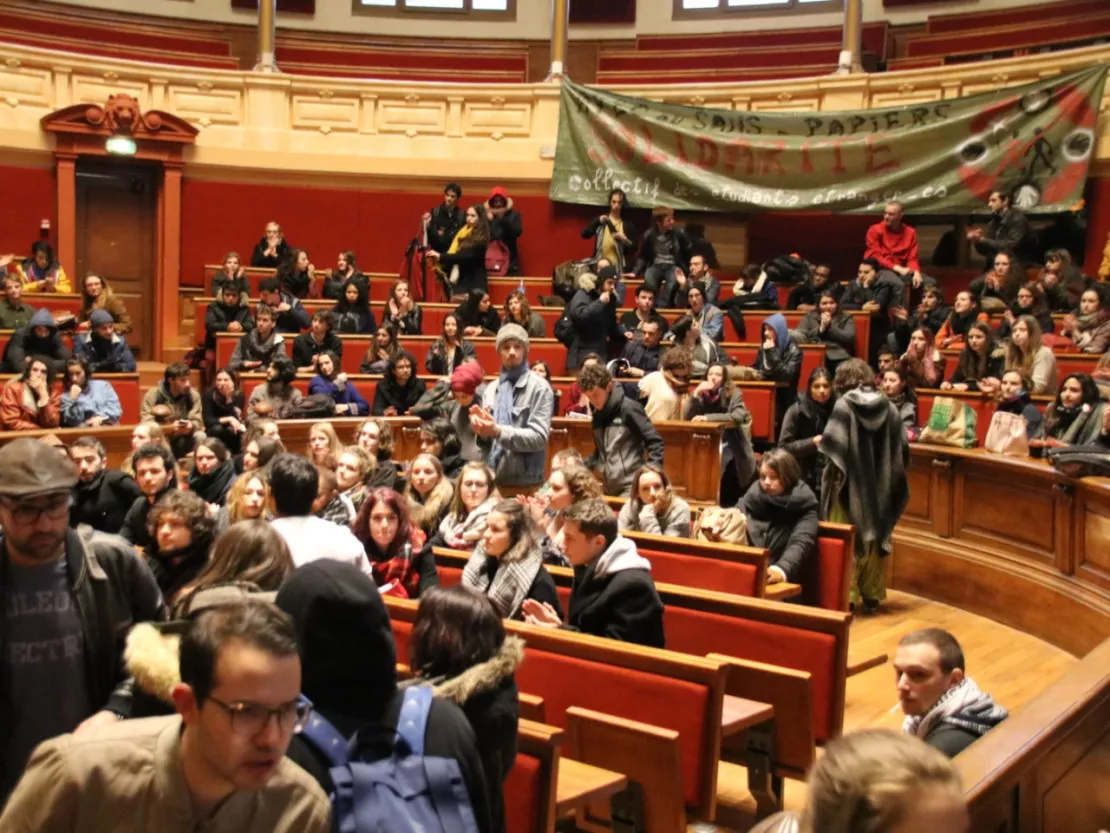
{"x": 699, "y": 410}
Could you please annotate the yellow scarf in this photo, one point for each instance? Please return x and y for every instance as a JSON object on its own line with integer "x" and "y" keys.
{"x": 460, "y": 235}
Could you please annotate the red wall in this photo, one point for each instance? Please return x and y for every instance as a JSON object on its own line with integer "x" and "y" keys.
{"x": 28, "y": 199}
{"x": 377, "y": 225}
{"x": 836, "y": 239}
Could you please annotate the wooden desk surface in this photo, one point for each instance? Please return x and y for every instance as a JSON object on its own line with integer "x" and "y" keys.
{"x": 580, "y": 784}
{"x": 739, "y": 714}
{"x": 782, "y": 590}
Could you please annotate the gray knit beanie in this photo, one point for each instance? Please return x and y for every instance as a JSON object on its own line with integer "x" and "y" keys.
{"x": 515, "y": 332}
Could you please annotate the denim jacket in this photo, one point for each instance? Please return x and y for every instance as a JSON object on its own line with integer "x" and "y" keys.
{"x": 97, "y": 399}
{"x": 525, "y": 441}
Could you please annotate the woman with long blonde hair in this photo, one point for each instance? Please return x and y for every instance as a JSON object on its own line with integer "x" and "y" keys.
{"x": 428, "y": 492}
{"x": 324, "y": 446}
{"x": 248, "y": 499}
{"x": 1026, "y": 353}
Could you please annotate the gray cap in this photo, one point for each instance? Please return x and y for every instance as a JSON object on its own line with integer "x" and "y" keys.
{"x": 30, "y": 467}
{"x": 513, "y": 332}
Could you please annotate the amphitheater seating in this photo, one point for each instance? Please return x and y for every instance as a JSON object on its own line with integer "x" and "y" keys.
{"x": 126, "y": 386}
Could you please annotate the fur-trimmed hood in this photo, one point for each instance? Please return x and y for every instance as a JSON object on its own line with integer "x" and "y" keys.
{"x": 587, "y": 282}
{"x": 151, "y": 657}
{"x": 485, "y": 676}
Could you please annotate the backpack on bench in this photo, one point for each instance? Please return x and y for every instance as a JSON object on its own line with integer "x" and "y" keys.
{"x": 407, "y": 791}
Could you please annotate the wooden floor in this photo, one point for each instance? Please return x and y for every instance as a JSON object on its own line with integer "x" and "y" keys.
{"x": 1012, "y": 666}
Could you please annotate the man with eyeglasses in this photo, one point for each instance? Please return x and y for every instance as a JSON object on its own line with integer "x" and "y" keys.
{"x": 218, "y": 764}
{"x": 69, "y": 595}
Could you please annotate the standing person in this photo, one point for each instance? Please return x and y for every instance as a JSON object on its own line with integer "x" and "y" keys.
{"x": 717, "y": 399}
{"x": 804, "y": 423}
{"x": 593, "y": 315}
{"x": 613, "y": 595}
{"x": 154, "y": 472}
{"x": 1008, "y": 230}
{"x": 864, "y": 482}
{"x": 443, "y": 222}
{"x": 623, "y": 434}
{"x": 463, "y": 264}
{"x": 513, "y": 420}
{"x": 87, "y": 401}
{"x": 105, "y": 349}
{"x": 664, "y": 251}
{"x": 99, "y": 587}
{"x": 176, "y": 393}
{"x": 258, "y": 348}
{"x": 614, "y": 235}
{"x": 272, "y": 249}
{"x": 29, "y": 401}
{"x": 96, "y": 294}
{"x": 102, "y": 495}
{"x": 219, "y": 763}
{"x": 893, "y": 244}
{"x": 505, "y": 225}
{"x": 782, "y": 516}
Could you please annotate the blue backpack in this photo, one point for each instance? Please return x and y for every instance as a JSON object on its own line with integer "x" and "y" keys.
{"x": 404, "y": 792}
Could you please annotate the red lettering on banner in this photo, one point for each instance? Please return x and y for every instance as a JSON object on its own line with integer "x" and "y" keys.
{"x": 838, "y": 157}
{"x": 707, "y": 153}
{"x": 683, "y": 157}
{"x": 739, "y": 151}
{"x": 625, "y": 145}
{"x": 769, "y": 162}
{"x": 873, "y": 150}
{"x": 651, "y": 156}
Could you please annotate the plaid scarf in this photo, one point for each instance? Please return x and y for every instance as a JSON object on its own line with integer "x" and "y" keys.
{"x": 399, "y": 568}
{"x": 506, "y": 580}
{"x": 964, "y": 706}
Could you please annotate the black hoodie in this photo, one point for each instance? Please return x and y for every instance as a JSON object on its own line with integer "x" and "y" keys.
{"x": 103, "y": 502}
{"x": 348, "y": 671}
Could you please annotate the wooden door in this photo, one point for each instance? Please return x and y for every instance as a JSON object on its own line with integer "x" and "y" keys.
{"x": 116, "y": 236}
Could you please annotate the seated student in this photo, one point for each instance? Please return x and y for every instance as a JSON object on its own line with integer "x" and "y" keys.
{"x": 155, "y": 473}
{"x": 505, "y": 225}
{"x": 41, "y": 272}
{"x": 331, "y": 504}
{"x": 517, "y": 310}
{"x": 476, "y": 315}
{"x": 665, "y": 392}
{"x": 754, "y": 290}
{"x": 642, "y": 354}
{"x": 466, "y": 390}
{"x": 145, "y": 433}
{"x": 400, "y": 390}
{"x": 506, "y": 564}
{"x": 943, "y": 706}
{"x": 899, "y": 389}
{"x": 717, "y": 399}
{"x": 182, "y": 532}
{"x": 258, "y": 347}
{"x": 1014, "y": 398}
{"x": 252, "y": 556}
{"x": 886, "y": 360}
{"x": 875, "y": 294}
{"x": 295, "y": 484}
{"x": 613, "y": 594}
{"x": 308, "y": 347}
{"x": 664, "y": 251}
{"x": 704, "y": 351}
{"x": 39, "y": 338}
{"x": 1062, "y": 281}
{"x": 102, "y": 495}
{"x": 708, "y": 317}
{"x": 14, "y": 313}
{"x": 450, "y": 350}
{"x": 964, "y": 313}
{"x": 474, "y": 495}
{"x": 272, "y": 249}
{"x": 346, "y": 271}
{"x": 439, "y": 438}
{"x": 87, "y": 401}
{"x": 931, "y": 312}
{"x": 654, "y": 507}
{"x": 291, "y": 316}
{"x": 29, "y": 401}
{"x": 353, "y": 468}
{"x": 222, "y": 407}
{"x": 698, "y": 273}
{"x": 779, "y": 360}
{"x": 226, "y": 315}
{"x": 458, "y": 644}
{"x": 805, "y": 295}
{"x": 213, "y": 471}
{"x": 323, "y": 445}
{"x": 623, "y": 434}
{"x": 1089, "y": 326}
{"x": 428, "y": 493}
{"x": 275, "y": 399}
{"x": 979, "y": 365}
{"x": 249, "y": 499}
{"x": 383, "y": 350}
{"x": 1076, "y": 417}
{"x": 1030, "y": 300}
{"x": 231, "y": 274}
{"x": 331, "y": 381}
{"x": 176, "y": 393}
{"x": 996, "y": 289}
{"x": 296, "y": 273}
{"x": 352, "y": 313}
{"x": 375, "y": 437}
{"x": 829, "y": 325}
{"x": 349, "y": 672}
{"x": 782, "y": 516}
{"x": 805, "y": 421}
{"x": 633, "y": 321}
{"x": 398, "y": 550}
{"x": 463, "y": 265}
{"x": 402, "y": 311}
{"x": 97, "y": 294}
{"x": 922, "y": 361}
{"x": 1025, "y": 352}
{"x": 592, "y": 313}
{"x": 260, "y": 449}
{"x": 577, "y": 403}
{"x": 569, "y": 483}
{"x": 103, "y": 348}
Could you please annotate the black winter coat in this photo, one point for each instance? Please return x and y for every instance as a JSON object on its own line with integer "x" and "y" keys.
{"x": 785, "y": 524}
{"x": 260, "y": 260}
{"x": 306, "y": 349}
{"x": 220, "y": 316}
{"x": 471, "y": 261}
{"x": 508, "y": 228}
{"x": 595, "y": 326}
{"x": 804, "y": 420}
{"x": 390, "y": 394}
{"x": 103, "y": 503}
{"x": 623, "y": 606}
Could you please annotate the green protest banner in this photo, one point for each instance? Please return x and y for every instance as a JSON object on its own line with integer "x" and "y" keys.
{"x": 940, "y": 157}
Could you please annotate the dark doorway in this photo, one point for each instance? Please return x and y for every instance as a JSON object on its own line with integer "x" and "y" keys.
{"x": 117, "y": 208}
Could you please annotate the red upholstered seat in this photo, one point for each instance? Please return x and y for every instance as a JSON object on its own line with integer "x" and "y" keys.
{"x": 523, "y": 788}
{"x": 702, "y": 573}
{"x": 824, "y": 585}
{"x": 564, "y": 681}
{"x": 699, "y": 632}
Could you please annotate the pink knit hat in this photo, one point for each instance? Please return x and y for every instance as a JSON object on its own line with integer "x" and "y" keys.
{"x": 466, "y": 378}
